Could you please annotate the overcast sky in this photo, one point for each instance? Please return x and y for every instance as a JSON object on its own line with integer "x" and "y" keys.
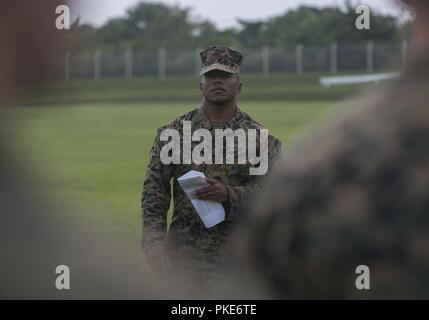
{"x": 224, "y": 13}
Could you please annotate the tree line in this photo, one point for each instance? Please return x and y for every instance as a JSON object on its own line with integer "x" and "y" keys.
{"x": 153, "y": 25}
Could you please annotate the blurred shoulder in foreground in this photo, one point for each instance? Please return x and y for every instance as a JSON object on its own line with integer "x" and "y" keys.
{"x": 354, "y": 193}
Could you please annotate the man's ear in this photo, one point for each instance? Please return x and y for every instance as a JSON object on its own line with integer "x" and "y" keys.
{"x": 239, "y": 86}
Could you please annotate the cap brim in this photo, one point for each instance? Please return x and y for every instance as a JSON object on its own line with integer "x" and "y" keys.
{"x": 217, "y": 66}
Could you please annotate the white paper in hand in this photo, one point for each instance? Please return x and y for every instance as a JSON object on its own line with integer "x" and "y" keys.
{"x": 210, "y": 212}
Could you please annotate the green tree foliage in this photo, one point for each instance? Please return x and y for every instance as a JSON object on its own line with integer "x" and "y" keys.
{"x": 206, "y": 34}
{"x": 149, "y": 25}
{"x": 311, "y": 25}
{"x": 152, "y": 25}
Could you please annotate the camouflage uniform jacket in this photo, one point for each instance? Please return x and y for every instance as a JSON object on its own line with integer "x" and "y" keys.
{"x": 189, "y": 242}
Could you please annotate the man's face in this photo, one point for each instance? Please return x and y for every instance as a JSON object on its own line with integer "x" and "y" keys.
{"x": 219, "y": 86}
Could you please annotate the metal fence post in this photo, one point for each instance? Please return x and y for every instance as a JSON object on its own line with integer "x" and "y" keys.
{"x": 334, "y": 62}
{"x": 197, "y": 62}
{"x": 97, "y": 65}
{"x": 265, "y": 60}
{"x": 299, "y": 58}
{"x": 128, "y": 62}
{"x": 404, "y": 51}
{"x": 67, "y": 66}
{"x": 370, "y": 56}
{"x": 161, "y": 63}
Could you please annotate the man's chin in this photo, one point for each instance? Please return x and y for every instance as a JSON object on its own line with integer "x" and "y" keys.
{"x": 219, "y": 100}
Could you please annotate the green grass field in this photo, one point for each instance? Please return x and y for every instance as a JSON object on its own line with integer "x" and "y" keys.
{"x": 96, "y": 156}
{"x": 93, "y": 156}
{"x": 276, "y": 87}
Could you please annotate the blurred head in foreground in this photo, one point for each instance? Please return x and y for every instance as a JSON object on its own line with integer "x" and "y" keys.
{"x": 353, "y": 194}
{"x": 35, "y": 236}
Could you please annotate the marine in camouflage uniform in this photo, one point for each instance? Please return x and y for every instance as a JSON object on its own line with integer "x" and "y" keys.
{"x": 355, "y": 193}
{"x": 191, "y": 247}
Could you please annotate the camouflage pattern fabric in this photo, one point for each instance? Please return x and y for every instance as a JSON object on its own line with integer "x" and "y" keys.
{"x": 355, "y": 193}
{"x": 220, "y": 58}
{"x": 192, "y": 246}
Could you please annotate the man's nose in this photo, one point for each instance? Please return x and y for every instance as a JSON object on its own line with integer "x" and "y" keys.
{"x": 218, "y": 80}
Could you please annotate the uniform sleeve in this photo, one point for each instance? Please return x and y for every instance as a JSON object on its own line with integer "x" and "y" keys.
{"x": 155, "y": 199}
{"x": 238, "y": 196}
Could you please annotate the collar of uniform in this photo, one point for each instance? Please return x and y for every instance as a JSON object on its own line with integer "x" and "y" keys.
{"x": 200, "y": 120}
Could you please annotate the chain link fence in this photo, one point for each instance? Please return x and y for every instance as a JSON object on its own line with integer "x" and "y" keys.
{"x": 334, "y": 58}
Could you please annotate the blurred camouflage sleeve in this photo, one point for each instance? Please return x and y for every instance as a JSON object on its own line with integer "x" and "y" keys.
{"x": 156, "y": 197}
{"x": 353, "y": 193}
{"x": 239, "y": 195}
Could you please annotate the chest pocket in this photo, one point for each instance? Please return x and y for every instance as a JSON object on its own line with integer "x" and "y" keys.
{"x": 181, "y": 169}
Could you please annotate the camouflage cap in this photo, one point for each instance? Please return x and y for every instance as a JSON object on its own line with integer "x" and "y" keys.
{"x": 220, "y": 58}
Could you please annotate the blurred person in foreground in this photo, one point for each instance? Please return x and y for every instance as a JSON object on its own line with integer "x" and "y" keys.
{"x": 189, "y": 250}
{"x": 36, "y": 236}
{"x": 354, "y": 193}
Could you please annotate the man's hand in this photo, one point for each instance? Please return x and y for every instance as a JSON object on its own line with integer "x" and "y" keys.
{"x": 157, "y": 258}
{"x": 216, "y": 191}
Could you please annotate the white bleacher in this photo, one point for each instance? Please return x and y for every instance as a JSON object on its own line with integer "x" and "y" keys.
{"x": 355, "y": 79}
